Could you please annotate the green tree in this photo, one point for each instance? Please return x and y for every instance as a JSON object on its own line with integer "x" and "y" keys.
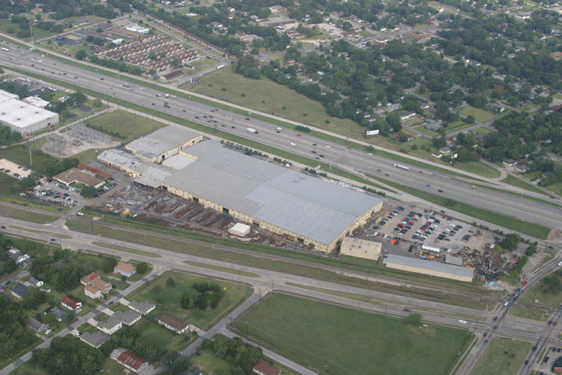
{"x": 510, "y": 241}
{"x": 414, "y": 319}
{"x": 393, "y": 121}
{"x": 88, "y": 192}
{"x": 81, "y": 54}
{"x": 108, "y": 264}
{"x": 50, "y": 319}
{"x": 170, "y": 283}
{"x": 142, "y": 268}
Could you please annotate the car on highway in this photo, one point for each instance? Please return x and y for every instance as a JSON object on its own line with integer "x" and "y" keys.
{"x": 52, "y": 239}
{"x": 3, "y": 227}
{"x": 7, "y": 283}
{"x": 247, "y": 119}
{"x": 292, "y": 144}
{"x": 298, "y": 135}
{"x": 440, "y": 190}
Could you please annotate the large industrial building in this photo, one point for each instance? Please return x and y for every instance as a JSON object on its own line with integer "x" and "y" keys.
{"x": 23, "y": 117}
{"x": 163, "y": 143}
{"x": 315, "y": 212}
{"x": 428, "y": 267}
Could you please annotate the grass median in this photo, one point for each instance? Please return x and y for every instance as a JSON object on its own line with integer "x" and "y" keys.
{"x": 289, "y": 262}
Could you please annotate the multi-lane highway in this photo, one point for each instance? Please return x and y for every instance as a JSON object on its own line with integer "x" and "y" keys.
{"x": 333, "y": 154}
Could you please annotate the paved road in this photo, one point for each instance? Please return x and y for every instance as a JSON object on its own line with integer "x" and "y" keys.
{"x": 475, "y": 320}
{"x": 354, "y": 161}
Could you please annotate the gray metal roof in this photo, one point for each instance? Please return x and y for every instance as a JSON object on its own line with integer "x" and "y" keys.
{"x": 143, "y": 307}
{"x": 429, "y": 265}
{"x": 127, "y": 317}
{"x": 94, "y": 339}
{"x": 162, "y": 141}
{"x": 125, "y": 160}
{"x": 307, "y": 206}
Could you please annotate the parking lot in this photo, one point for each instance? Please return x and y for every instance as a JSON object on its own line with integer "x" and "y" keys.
{"x": 13, "y": 169}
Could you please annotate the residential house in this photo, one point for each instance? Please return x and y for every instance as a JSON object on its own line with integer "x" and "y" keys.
{"x": 17, "y": 256}
{"x": 128, "y": 317}
{"x": 111, "y": 326}
{"x": 143, "y": 307}
{"x": 59, "y": 313}
{"x": 264, "y": 368}
{"x": 407, "y": 115}
{"x": 19, "y": 291}
{"x": 510, "y": 163}
{"x": 125, "y": 269}
{"x": 522, "y": 168}
{"x": 445, "y": 150}
{"x": 87, "y": 280}
{"x": 35, "y": 283}
{"x": 195, "y": 371}
{"x": 92, "y": 292}
{"x": 129, "y": 360}
{"x": 36, "y": 324}
{"x": 70, "y": 303}
{"x": 173, "y": 323}
{"x": 104, "y": 286}
{"x": 95, "y": 340}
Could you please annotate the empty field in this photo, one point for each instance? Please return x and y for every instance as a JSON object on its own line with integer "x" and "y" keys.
{"x": 502, "y": 357}
{"x": 168, "y": 298}
{"x": 267, "y": 96}
{"x": 479, "y": 114}
{"x": 124, "y": 126}
{"x": 336, "y": 340}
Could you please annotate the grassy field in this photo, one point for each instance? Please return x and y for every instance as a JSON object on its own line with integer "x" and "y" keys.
{"x": 479, "y": 114}
{"x": 33, "y": 217}
{"x": 278, "y": 265}
{"x": 86, "y": 156}
{"x": 480, "y": 169}
{"x": 28, "y": 369}
{"x": 127, "y": 250}
{"x": 336, "y": 340}
{"x": 168, "y": 298}
{"x": 540, "y": 310}
{"x": 166, "y": 338}
{"x": 517, "y": 225}
{"x": 522, "y": 184}
{"x": 482, "y": 131}
{"x": 210, "y": 364}
{"x": 222, "y": 269}
{"x": 128, "y": 125}
{"x": 267, "y": 96}
{"x": 502, "y": 357}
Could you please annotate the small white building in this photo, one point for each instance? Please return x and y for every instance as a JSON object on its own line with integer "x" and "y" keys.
{"x": 240, "y": 230}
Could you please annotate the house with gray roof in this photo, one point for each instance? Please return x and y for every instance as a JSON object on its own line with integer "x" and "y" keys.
{"x": 128, "y": 317}
{"x": 95, "y": 340}
{"x": 19, "y": 291}
{"x": 111, "y": 326}
{"x": 36, "y": 324}
{"x": 143, "y": 307}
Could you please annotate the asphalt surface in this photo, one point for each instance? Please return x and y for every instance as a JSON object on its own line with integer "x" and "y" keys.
{"x": 474, "y": 320}
{"x": 354, "y": 161}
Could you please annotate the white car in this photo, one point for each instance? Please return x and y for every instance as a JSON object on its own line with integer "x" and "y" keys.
{"x": 292, "y": 144}
{"x": 462, "y": 321}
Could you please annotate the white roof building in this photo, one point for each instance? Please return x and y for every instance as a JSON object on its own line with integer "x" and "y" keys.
{"x": 23, "y": 117}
